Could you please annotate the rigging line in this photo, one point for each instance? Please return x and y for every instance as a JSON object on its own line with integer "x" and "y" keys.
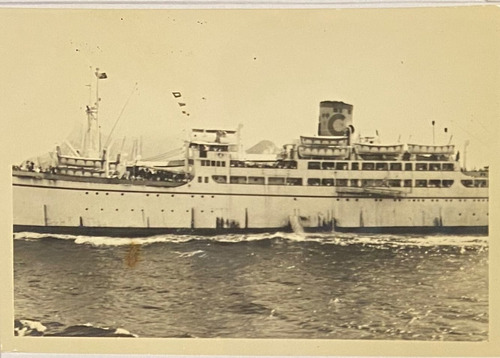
{"x": 163, "y": 156}
{"x": 119, "y": 116}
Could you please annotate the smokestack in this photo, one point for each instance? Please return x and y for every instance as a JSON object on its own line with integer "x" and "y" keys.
{"x": 334, "y": 118}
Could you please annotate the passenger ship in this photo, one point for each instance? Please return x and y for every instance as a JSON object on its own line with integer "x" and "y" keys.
{"x": 327, "y": 182}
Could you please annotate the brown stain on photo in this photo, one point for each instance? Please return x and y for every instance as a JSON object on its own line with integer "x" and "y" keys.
{"x": 132, "y": 256}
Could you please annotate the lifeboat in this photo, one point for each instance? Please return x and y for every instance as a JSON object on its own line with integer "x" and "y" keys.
{"x": 324, "y": 141}
{"x": 374, "y": 149}
{"x": 431, "y": 149}
{"x": 310, "y": 151}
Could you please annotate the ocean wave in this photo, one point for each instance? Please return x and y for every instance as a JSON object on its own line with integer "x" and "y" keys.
{"x": 29, "y": 327}
{"x": 341, "y": 239}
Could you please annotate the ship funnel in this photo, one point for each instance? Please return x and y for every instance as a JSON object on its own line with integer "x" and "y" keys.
{"x": 334, "y": 118}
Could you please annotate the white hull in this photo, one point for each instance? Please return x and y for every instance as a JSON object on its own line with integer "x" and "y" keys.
{"x": 50, "y": 205}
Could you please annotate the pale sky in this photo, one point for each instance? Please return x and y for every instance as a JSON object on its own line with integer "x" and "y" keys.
{"x": 265, "y": 69}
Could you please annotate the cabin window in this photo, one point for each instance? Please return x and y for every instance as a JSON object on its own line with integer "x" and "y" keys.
{"x": 408, "y": 166}
{"x": 206, "y": 179}
{"x": 394, "y": 183}
{"x": 407, "y": 183}
{"x": 200, "y": 179}
{"x": 341, "y": 182}
{"x": 434, "y": 183}
{"x": 381, "y": 166}
{"x": 434, "y": 166}
{"x": 313, "y": 165}
{"x": 293, "y": 181}
{"x": 223, "y": 164}
{"x": 355, "y": 166}
{"x": 354, "y": 182}
{"x": 256, "y": 180}
{"x": 328, "y": 165}
{"x": 421, "y": 166}
{"x": 222, "y": 179}
{"x": 468, "y": 183}
{"x": 368, "y": 166}
{"x": 420, "y": 183}
{"x": 341, "y": 166}
{"x": 448, "y": 166}
{"x": 238, "y": 180}
{"x": 314, "y": 181}
{"x": 276, "y": 181}
{"x": 480, "y": 183}
{"x": 396, "y": 166}
{"x": 447, "y": 183}
{"x": 327, "y": 182}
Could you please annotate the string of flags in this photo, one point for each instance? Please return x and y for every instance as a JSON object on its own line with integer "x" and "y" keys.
{"x": 181, "y": 103}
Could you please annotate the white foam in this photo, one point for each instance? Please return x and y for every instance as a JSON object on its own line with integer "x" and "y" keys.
{"x": 125, "y": 332}
{"x": 341, "y": 239}
{"x": 29, "y": 326}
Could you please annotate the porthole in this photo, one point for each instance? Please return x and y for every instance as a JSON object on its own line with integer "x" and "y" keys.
{"x": 131, "y": 209}
{"x": 203, "y": 196}
{"x": 107, "y": 193}
{"x": 86, "y": 193}
{"x": 213, "y": 196}
{"x": 473, "y": 214}
{"x": 122, "y": 194}
{"x": 87, "y": 209}
{"x": 147, "y": 194}
{"x": 157, "y": 195}
{"x": 102, "y": 209}
{"x": 162, "y": 210}
{"x": 116, "y": 209}
{"x": 172, "y": 210}
{"x": 202, "y": 211}
{"x": 96, "y": 193}
{"x": 192, "y": 196}
{"x": 172, "y": 195}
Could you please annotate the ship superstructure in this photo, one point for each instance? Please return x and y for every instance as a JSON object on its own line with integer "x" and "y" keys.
{"x": 331, "y": 181}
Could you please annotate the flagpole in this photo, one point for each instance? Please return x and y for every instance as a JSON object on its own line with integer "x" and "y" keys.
{"x": 97, "y": 107}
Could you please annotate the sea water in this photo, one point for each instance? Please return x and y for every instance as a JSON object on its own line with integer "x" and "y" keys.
{"x": 275, "y": 285}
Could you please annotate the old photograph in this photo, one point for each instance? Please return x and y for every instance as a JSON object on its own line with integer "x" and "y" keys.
{"x": 253, "y": 174}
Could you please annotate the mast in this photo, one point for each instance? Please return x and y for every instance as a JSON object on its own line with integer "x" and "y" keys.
{"x": 92, "y": 137}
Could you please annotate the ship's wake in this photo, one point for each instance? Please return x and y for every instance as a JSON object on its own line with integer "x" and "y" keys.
{"x": 376, "y": 240}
